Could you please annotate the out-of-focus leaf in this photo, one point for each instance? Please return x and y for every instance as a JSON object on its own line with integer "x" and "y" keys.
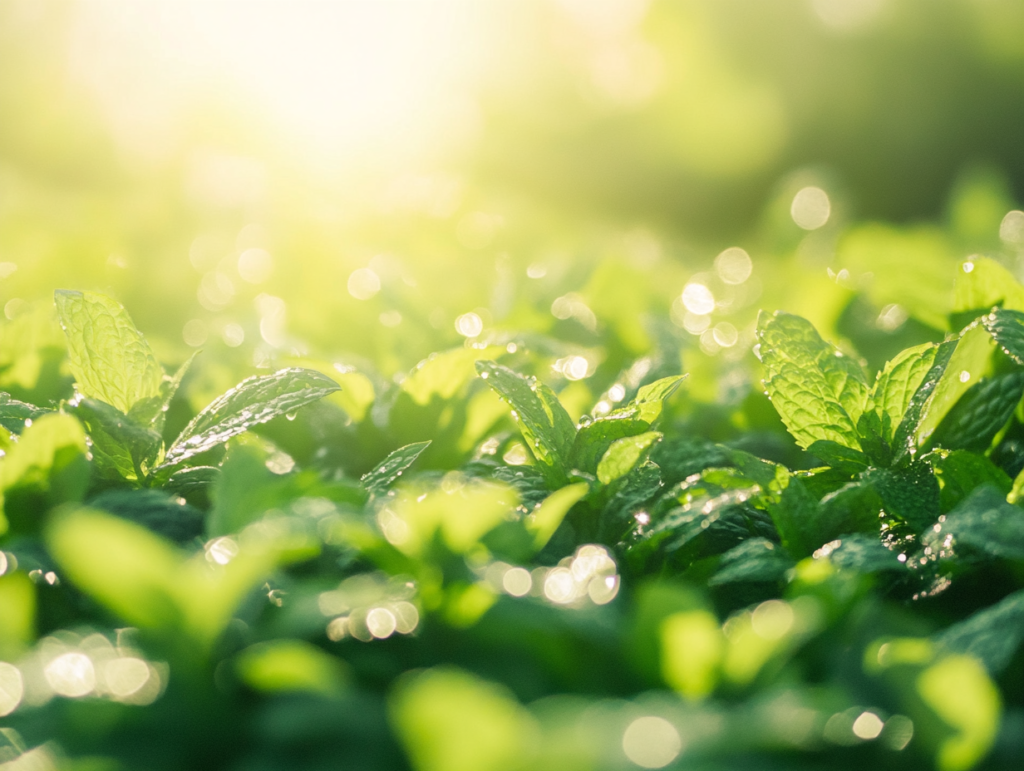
{"x": 462, "y": 511}
{"x": 13, "y": 413}
{"x": 1007, "y": 329}
{"x": 152, "y": 410}
{"x": 450, "y": 720}
{"x": 545, "y": 519}
{"x": 960, "y": 692}
{"x": 992, "y": 635}
{"x": 983, "y": 525}
{"x": 122, "y": 449}
{"x": 192, "y": 480}
{"x": 110, "y": 359}
{"x": 982, "y": 283}
{"x": 284, "y": 666}
{"x": 445, "y": 374}
{"x": 863, "y": 553}
{"x": 692, "y": 647}
{"x": 624, "y": 455}
{"x": 546, "y": 426}
{"x": 756, "y": 559}
{"x": 819, "y": 392}
{"x": 384, "y": 474}
{"x": 17, "y": 616}
{"x": 980, "y": 413}
{"x": 168, "y": 517}
{"x": 254, "y": 401}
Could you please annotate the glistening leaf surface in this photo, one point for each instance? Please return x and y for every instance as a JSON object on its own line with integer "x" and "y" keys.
{"x": 109, "y": 357}
{"x": 254, "y": 401}
{"x": 379, "y": 479}
{"x": 1007, "y": 329}
{"x": 818, "y": 391}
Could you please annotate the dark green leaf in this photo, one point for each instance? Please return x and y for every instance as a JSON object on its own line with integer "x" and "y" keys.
{"x": 384, "y": 474}
{"x": 839, "y": 457}
{"x": 980, "y": 413}
{"x": 983, "y": 526}
{"x": 864, "y": 553}
{"x": 992, "y": 635}
{"x": 13, "y": 413}
{"x": 254, "y": 401}
{"x": 910, "y": 493}
{"x": 818, "y": 391}
{"x": 959, "y": 472}
{"x": 167, "y": 516}
{"x": 1007, "y": 329}
{"x": 756, "y": 559}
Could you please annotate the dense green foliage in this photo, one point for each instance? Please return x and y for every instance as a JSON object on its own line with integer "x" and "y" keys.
{"x": 231, "y": 589}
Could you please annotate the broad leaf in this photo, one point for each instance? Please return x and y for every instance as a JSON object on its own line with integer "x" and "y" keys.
{"x": 167, "y": 516}
{"x": 254, "y": 401}
{"x": 756, "y": 559}
{"x": 152, "y": 411}
{"x": 910, "y": 493}
{"x": 651, "y": 398}
{"x": 593, "y": 439}
{"x": 959, "y": 472}
{"x": 982, "y": 283}
{"x": 904, "y": 441}
{"x": 545, "y": 519}
{"x": 383, "y": 475}
{"x": 818, "y": 391}
{"x": 546, "y": 426}
{"x": 109, "y": 357}
{"x": 443, "y": 375}
{"x": 983, "y": 526}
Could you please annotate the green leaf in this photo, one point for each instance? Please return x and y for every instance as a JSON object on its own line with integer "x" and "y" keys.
{"x": 152, "y": 411}
{"x": 109, "y": 357}
{"x": 864, "y": 553}
{"x": 897, "y": 383}
{"x": 593, "y": 439}
{"x": 450, "y": 720}
{"x": 980, "y": 413}
{"x": 1007, "y": 329}
{"x": 121, "y": 448}
{"x": 651, "y": 398}
{"x": 383, "y": 475}
{"x": 624, "y": 455}
{"x": 904, "y": 440}
{"x": 756, "y": 559}
{"x": 982, "y": 283}
{"x": 545, "y": 519}
{"x": 966, "y": 366}
{"x": 983, "y": 526}
{"x": 444, "y": 374}
{"x": 992, "y": 635}
{"x": 291, "y": 666}
{"x": 818, "y": 391}
{"x": 254, "y": 401}
{"x": 167, "y": 516}
{"x": 910, "y": 493}
{"x": 838, "y": 456}
{"x": 959, "y": 472}
{"x": 13, "y": 413}
{"x": 546, "y": 426}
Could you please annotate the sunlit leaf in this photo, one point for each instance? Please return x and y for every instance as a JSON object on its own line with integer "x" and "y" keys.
{"x": 692, "y": 647}
{"x": 13, "y": 413}
{"x": 982, "y": 283}
{"x": 110, "y": 358}
{"x": 449, "y": 720}
{"x": 122, "y": 449}
{"x": 283, "y": 666}
{"x": 545, "y": 519}
{"x": 17, "y": 614}
{"x": 897, "y": 383}
{"x": 624, "y": 455}
{"x": 818, "y": 391}
{"x": 254, "y": 401}
{"x": 546, "y": 426}
{"x": 383, "y": 475}
{"x": 961, "y": 693}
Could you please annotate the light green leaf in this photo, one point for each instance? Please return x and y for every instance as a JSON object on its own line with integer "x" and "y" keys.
{"x": 897, "y": 383}
{"x": 254, "y": 401}
{"x": 449, "y": 720}
{"x": 110, "y": 358}
{"x": 966, "y": 366}
{"x": 624, "y": 455}
{"x": 982, "y": 283}
{"x": 593, "y": 439}
{"x": 651, "y": 398}
{"x": 960, "y": 692}
{"x": 692, "y": 647}
{"x": 45, "y": 444}
{"x": 121, "y": 448}
{"x": 152, "y": 411}
{"x": 818, "y": 391}
{"x": 383, "y": 475}
{"x": 283, "y": 666}
{"x": 546, "y": 426}
{"x": 444, "y": 374}
{"x": 545, "y": 519}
